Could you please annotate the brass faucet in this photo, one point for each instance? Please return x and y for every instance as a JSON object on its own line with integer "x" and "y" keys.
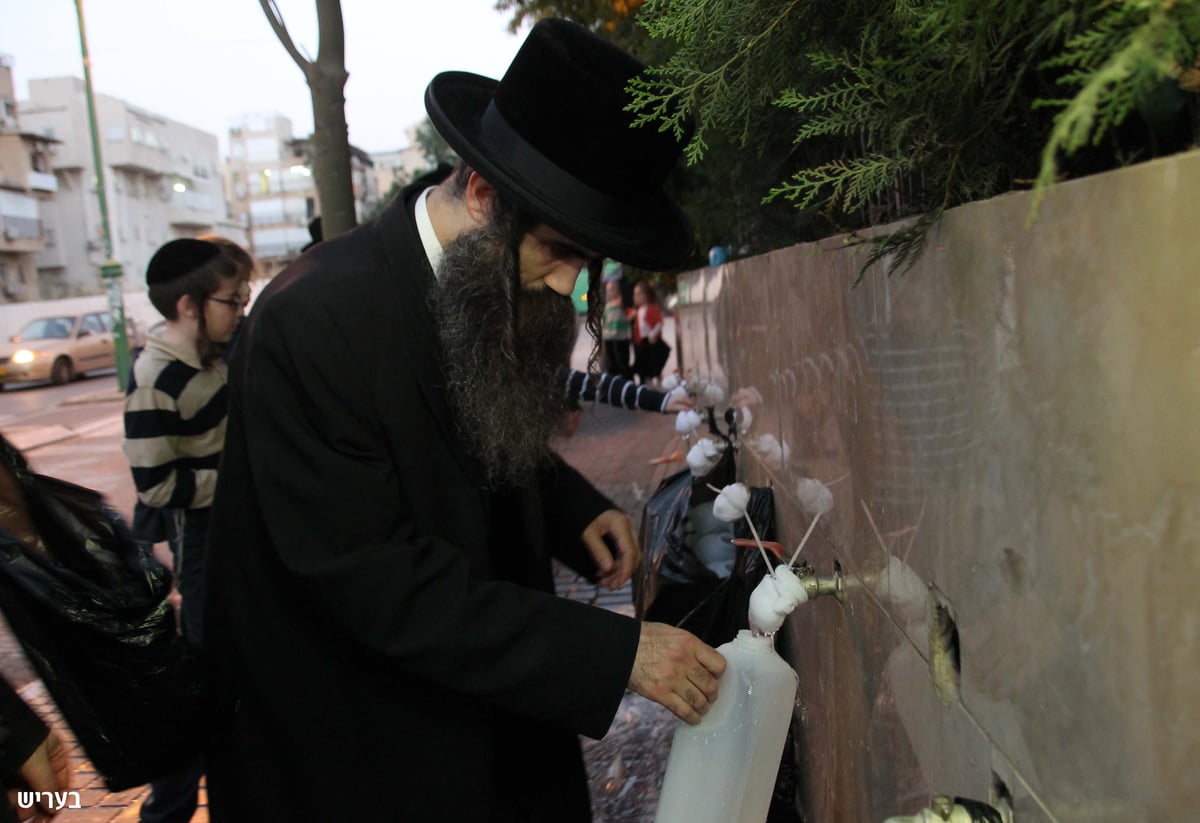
{"x": 815, "y": 586}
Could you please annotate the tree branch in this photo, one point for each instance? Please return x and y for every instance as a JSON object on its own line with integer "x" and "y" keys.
{"x": 276, "y": 20}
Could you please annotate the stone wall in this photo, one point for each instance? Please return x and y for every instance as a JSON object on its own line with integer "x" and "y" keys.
{"x": 1011, "y": 432}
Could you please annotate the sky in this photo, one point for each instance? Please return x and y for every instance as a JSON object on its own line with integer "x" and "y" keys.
{"x": 208, "y": 62}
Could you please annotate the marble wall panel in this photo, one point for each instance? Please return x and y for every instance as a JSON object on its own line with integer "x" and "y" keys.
{"x": 1011, "y": 435}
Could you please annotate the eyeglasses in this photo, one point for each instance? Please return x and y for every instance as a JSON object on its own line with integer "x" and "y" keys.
{"x": 237, "y": 301}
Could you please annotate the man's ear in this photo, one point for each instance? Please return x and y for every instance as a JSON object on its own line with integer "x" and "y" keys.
{"x": 479, "y": 198}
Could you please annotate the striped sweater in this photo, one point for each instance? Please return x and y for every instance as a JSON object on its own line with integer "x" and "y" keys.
{"x": 611, "y": 389}
{"x": 175, "y": 414}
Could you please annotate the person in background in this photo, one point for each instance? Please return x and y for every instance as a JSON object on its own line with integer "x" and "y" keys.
{"x": 315, "y": 233}
{"x": 616, "y": 332}
{"x": 175, "y": 412}
{"x": 380, "y": 582}
{"x": 650, "y": 350}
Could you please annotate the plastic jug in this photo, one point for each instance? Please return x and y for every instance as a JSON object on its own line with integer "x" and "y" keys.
{"x": 723, "y": 769}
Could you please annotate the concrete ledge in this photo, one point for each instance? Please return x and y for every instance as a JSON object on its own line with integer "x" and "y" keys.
{"x": 26, "y": 438}
{"x": 106, "y": 396}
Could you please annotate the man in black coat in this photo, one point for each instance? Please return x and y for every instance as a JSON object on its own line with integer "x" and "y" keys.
{"x": 380, "y": 595}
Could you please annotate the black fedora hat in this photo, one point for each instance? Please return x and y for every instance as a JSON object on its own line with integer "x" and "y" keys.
{"x": 553, "y": 133}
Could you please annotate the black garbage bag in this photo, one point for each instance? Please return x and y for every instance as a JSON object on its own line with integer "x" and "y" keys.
{"x": 725, "y": 610}
{"x": 91, "y": 611}
{"x": 673, "y": 580}
{"x": 670, "y": 578}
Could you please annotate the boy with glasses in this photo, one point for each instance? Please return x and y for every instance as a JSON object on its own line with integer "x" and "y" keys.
{"x": 175, "y": 412}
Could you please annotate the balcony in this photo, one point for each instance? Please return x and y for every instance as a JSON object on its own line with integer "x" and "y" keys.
{"x": 124, "y": 154}
{"x": 40, "y": 181}
{"x": 191, "y": 210}
{"x": 20, "y": 234}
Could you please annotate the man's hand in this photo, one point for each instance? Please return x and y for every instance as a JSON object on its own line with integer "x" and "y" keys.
{"x": 618, "y": 528}
{"x": 47, "y": 770}
{"x": 676, "y": 669}
{"x": 678, "y": 403}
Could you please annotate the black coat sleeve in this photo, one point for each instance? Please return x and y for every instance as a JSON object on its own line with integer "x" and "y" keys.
{"x": 571, "y": 503}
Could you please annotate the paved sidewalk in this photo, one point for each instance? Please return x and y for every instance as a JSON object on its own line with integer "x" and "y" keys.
{"x": 613, "y": 448}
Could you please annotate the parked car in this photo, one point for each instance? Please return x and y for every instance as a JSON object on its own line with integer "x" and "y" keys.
{"x": 60, "y": 348}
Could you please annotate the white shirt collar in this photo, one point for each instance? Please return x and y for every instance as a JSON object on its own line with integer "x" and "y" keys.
{"x": 433, "y": 248}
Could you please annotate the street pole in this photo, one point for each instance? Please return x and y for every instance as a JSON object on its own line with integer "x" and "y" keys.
{"x": 110, "y": 271}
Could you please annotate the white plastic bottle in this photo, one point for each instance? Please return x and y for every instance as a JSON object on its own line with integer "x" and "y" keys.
{"x": 723, "y": 769}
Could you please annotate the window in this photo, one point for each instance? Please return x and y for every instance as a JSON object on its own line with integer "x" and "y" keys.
{"x": 94, "y": 324}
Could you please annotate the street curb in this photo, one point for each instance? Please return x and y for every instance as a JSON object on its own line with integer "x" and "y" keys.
{"x": 95, "y": 397}
{"x": 28, "y": 438}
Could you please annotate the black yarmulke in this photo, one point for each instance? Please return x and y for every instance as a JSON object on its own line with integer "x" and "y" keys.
{"x": 179, "y": 257}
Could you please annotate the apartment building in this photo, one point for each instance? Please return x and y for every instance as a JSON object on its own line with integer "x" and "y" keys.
{"x": 162, "y": 181}
{"x": 272, "y": 189}
{"x": 26, "y": 184}
{"x": 399, "y": 166}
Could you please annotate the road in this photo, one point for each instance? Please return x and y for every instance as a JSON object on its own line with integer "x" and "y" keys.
{"x": 35, "y": 403}
{"x": 72, "y": 432}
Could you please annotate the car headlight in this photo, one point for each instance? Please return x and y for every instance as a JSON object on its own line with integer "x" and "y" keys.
{"x": 24, "y": 356}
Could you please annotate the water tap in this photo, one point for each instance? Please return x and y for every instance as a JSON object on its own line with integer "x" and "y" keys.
{"x": 815, "y": 586}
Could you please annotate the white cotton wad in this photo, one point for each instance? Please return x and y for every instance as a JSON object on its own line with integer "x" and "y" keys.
{"x": 774, "y": 453}
{"x": 815, "y": 497}
{"x": 702, "y": 457}
{"x": 731, "y": 503}
{"x": 902, "y": 587}
{"x": 774, "y": 598}
{"x": 686, "y": 422}
{"x": 714, "y": 395}
{"x": 670, "y": 382}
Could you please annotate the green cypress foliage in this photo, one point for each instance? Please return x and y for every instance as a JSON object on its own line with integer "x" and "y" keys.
{"x": 905, "y": 108}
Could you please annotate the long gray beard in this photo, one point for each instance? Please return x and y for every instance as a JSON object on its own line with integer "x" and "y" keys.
{"x": 501, "y": 348}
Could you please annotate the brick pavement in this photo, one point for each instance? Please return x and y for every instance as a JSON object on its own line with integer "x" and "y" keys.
{"x": 612, "y": 447}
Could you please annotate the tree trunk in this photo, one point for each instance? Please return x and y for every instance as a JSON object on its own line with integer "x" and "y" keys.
{"x": 326, "y": 77}
{"x": 331, "y": 138}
